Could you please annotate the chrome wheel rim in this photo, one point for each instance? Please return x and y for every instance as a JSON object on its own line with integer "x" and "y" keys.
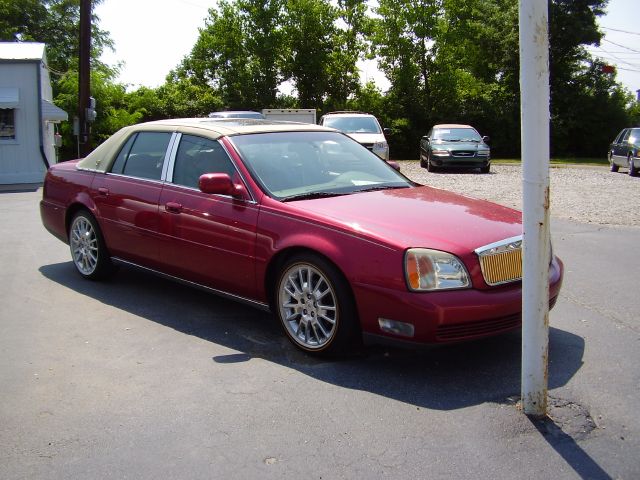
{"x": 308, "y": 306}
{"x": 84, "y": 245}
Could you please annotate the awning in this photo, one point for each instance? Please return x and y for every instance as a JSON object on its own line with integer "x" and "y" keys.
{"x": 52, "y": 113}
{"x": 9, "y": 97}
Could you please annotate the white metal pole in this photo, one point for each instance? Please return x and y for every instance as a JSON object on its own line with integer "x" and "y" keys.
{"x": 534, "y": 98}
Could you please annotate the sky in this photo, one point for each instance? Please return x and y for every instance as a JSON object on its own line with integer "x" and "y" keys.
{"x": 151, "y": 37}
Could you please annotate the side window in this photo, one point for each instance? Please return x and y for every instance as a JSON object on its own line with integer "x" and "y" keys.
{"x": 143, "y": 155}
{"x": 626, "y": 135}
{"x": 196, "y": 156}
{"x": 121, "y": 159}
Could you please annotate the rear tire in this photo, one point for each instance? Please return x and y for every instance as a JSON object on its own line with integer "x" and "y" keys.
{"x": 88, "y": 250}
{"x": 614, "y": 167}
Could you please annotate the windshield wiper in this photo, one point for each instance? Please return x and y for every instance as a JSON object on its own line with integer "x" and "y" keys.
{"x": 311, "y": 196}
{"x": 381, "y": 187}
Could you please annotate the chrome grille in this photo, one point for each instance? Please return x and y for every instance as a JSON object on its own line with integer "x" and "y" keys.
{"x": 501, "y": 262}
{"x": 463, "y": 153}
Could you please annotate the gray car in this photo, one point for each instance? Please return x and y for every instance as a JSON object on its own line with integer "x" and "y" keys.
{"x": 624, "y": 151}
{"x": 237, "y": 114}
{"x": 454, "y": 146}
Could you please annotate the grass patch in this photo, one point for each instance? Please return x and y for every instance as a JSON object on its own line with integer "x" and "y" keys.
{"x": 558, "y": 161}
{"x": 586, "y": 161}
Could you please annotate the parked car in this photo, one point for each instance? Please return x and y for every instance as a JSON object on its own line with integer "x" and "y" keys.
{"x": 236, "y": 114}
{"x": 624, "y": 151}
{"x": 297, "y": 219}
{"x": 364, "y": 128}
{"x": 455, "y": 146}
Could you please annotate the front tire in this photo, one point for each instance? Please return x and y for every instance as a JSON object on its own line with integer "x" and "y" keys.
{"x": 88, "y": 250}
{"x": 614, "y": 167}
{"x": 632, "y": 168}
{"x": 315, "y": 307}
{"x": 430, "y": 167}
{"x": 486, "y": 169}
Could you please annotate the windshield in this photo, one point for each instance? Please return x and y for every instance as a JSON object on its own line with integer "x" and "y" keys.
{"x": 363, "y": 124}
{"x": 456, "y": 135}
{"x": 295, "y": 165}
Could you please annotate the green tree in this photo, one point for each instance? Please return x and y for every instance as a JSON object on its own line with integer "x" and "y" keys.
{"x": 309, "y": 29}
{"x": 349, "y": 46}
{"x": 238, "y": 53}
{"x": 55, "y": 23}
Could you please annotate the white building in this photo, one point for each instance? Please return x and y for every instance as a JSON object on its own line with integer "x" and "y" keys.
{"x": 27, "y": 114}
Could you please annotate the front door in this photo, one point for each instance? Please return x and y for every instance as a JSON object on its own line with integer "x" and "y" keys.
{"x": 207, "y": 239}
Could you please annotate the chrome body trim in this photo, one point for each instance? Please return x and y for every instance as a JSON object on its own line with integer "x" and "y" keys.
{"x": 486, "y": 249}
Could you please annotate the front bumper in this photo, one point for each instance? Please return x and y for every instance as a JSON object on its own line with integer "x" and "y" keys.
{"x": 451, "y": 161}
{"x": 448, "y": 316}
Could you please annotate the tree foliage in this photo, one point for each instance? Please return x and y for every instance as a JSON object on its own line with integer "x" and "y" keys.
{"x": 446, "y": 61}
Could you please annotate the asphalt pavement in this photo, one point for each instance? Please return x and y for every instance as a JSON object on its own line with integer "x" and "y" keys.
{"x": 142, "y": 378}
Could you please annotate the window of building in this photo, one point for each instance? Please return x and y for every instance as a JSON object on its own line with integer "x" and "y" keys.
{"x": 7, "y": 124}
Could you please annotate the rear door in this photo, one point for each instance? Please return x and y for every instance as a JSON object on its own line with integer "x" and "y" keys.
{"x": 620, "y": 148}
{"x": 207, "y": 239}
{"x": 127, "y": 198}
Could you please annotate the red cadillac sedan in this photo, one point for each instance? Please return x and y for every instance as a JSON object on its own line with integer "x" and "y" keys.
{"x": 297, "y": 219}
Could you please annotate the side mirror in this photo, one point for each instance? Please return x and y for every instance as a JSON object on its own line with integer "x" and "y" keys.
{"x": 394, "y": 165}
{"x": 486, "y": 139}
{"x": 216, "y": 184}
{"x": 387, "y": 131}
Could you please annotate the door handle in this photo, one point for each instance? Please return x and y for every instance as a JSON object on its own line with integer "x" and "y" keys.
{"x": 103, "y": 191}
{"x": 173, "y": 207}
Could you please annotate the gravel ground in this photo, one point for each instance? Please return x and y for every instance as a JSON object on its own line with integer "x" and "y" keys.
{"x": 583, "y": 194}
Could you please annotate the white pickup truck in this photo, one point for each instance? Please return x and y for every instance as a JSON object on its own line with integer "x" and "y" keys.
{"x": 302, "y": 115}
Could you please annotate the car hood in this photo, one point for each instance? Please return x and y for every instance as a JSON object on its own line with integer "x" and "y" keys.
{"x": 419, "y": 217}
{"x": 473, "y": 146}
{"x": 367, "y": 137}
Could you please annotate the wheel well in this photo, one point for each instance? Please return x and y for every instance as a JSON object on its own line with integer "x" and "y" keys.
{"x": 71, "y": 211}
{"x": 279, "y": 259}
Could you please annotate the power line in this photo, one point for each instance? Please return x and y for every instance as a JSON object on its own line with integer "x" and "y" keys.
{"x": 621, "y": 31}
{"x": 621, "y": 46}
{"x": 620, "y": 59}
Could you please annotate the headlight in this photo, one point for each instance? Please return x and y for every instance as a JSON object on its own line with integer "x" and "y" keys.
{"x": 439, "y": 151}
{"x": 427, "y": 270}
{"x": 483, "y": 152}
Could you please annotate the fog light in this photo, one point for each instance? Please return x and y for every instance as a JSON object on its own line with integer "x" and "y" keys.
{"x": 395, "y": 327}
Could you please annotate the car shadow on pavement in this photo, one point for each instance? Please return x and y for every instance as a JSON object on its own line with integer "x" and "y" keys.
{"x": 441, "y": 378}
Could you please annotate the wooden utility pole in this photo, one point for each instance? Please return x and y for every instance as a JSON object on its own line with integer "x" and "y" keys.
{"x": 84, "y": 77}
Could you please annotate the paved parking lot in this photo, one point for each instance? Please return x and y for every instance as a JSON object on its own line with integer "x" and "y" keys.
{"x": 142, "y": 378}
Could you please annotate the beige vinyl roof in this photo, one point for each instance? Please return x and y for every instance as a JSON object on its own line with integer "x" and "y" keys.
{"x": 100, "y": 159}
{"x": 232, "y": 126}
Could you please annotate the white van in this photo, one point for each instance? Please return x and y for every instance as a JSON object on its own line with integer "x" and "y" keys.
{"x": 362, "y": 127}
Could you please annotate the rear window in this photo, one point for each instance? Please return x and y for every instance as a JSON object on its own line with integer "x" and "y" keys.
{"x": 143, "y": 155}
